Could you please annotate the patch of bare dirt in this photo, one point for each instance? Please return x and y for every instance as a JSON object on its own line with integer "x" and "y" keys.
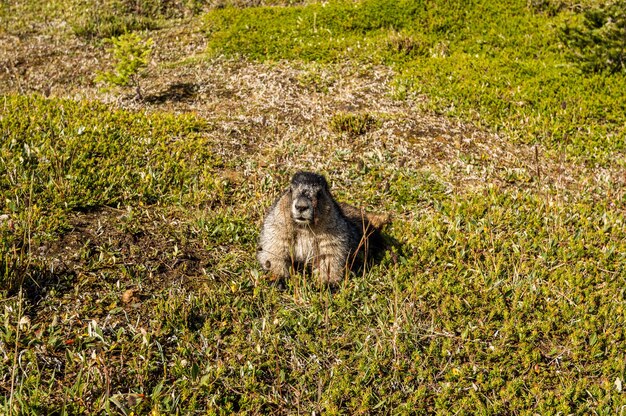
{"x": 151, "y": 250}
{"x": 158, "y": 242}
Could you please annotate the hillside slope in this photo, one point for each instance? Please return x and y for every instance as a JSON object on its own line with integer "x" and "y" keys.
{"x": 128, "y": 227}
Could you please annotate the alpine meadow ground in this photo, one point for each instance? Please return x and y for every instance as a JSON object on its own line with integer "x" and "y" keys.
{"x": 128, "y": 227}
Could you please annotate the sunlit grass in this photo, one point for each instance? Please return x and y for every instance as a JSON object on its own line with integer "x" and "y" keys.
{"x": 501, "y": 66}
{"x": 127, "y": 238}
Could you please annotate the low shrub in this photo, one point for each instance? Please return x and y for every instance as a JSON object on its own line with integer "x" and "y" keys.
{"x": 599, "y": 43}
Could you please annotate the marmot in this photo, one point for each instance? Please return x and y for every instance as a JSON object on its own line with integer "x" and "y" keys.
{"x": 306, "y": 227}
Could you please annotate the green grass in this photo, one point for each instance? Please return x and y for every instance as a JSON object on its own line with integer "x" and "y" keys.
{"x": 60, "y": 156}
{"x": 74, "y": 155}
{"x": 128, "y": 283}
{"x": 352, "y": 124}
{"x": 500, "y": 66}
{"x": 499, "y": 303}
{"x": 503, "y": 301}
{"x": 324, "y": 32}
{"x": 91, "y": 20}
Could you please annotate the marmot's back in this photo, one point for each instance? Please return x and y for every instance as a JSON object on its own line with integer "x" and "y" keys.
{"x": 368, "y": 227}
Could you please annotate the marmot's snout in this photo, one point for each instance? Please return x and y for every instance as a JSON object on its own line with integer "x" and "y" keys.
{"x": 302, "y": 210}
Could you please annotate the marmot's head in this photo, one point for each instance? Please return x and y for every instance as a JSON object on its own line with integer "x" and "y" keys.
{"x": 310, "y": 198}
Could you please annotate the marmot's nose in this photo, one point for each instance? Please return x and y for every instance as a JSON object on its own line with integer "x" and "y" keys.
{"x": 301, "y": 206}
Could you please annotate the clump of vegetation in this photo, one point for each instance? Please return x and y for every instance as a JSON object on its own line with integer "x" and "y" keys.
{"x": 403, "y": 45}
{"x": 599, "y": 44}
{"x": 132, "y": 55}
{"x": 352, "y": 124}
{"x": 116, "y": 17}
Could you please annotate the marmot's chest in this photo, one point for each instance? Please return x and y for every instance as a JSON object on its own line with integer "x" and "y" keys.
{"x": 306, "y": 246}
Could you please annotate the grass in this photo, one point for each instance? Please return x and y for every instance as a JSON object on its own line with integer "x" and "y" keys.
{"x": 128, "y": 283}
{"x": 311, "y": 32}
{"x": 501, "y": 66}
{"x": 82, "y": 155}
{"x": 352, "y": 124}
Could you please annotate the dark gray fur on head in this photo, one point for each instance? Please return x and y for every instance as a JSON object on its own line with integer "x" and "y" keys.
{"x": 309, "y": 178}
{"x": 310, "y": 198}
